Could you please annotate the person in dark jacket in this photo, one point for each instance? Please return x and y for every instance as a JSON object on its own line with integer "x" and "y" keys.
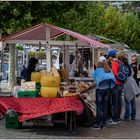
{"x": 134, "y": 66}
{"x": 31, "y": 67}
{"x": 23, "y": 72}
{"x": 130, "y": 106}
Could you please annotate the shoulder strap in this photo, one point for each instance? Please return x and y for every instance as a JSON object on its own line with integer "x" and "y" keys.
{"x": 117, "y": 61}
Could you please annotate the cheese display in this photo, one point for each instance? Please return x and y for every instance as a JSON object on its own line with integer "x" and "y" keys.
{"x": 50, "y": 81}
{"x": 28, "y": 86}
{"x": 49, "y": 92}
{"x": 35, "y": 76}
{"x": 46, "y": 73}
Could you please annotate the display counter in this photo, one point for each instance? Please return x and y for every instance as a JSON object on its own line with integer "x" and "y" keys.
{"x": 88, "y": 79}
{"x": 29, "y": 108}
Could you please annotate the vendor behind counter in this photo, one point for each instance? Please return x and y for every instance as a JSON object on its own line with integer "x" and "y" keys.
{"x": 31, "y": 68}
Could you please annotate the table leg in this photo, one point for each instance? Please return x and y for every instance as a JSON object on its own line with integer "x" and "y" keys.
{"x": 72, "y": 121}
{"x": 66, "y": 118}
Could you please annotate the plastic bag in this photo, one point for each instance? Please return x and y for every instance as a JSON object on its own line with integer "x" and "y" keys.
{"x": 15, "y": 91}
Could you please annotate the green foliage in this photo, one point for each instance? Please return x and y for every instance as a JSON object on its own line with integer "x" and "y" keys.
{"x": 15, "y": 16}
{"x": 37, "y": 54}
{"x": 86, "y": 17}
{"x": 40, "y": 54}
{"x": 19, "y": 47}
{"x": 31, "y": 54}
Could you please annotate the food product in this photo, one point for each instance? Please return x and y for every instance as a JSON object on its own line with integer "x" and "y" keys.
{"x": 55, "y": 72}
{"x": 35, "y": 76}
{"x": 46, "y": 73}
{"x": 27, "y": 86}
{"x": 50, "y": 81}
{"x": 49, "y": 92}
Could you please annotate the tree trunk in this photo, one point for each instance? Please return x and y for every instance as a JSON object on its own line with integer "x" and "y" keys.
{"x": 11, "y": 75}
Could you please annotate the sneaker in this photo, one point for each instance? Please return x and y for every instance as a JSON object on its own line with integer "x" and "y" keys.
{"x": 132, "y": 118}
{"x": 95, "y": 126}
{"x": 103, "y": 126}
{"x": 120, "y": 119}
{"x": 116, "y": 122}
{"x": 109, "y": 122}
{"x": 126, "y": 119}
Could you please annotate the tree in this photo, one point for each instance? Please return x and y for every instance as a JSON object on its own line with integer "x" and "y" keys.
{"x": 15, "y": 16}
{"x": 80, "y": 16}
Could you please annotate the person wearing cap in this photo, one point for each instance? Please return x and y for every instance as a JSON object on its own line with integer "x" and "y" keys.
{"x": 116, "y": 92}
{"x": 111, "y": 55}
{"x": 103, "y": 78}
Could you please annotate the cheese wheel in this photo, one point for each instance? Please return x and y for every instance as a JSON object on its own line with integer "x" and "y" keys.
{"x": 50, "y": 81}
{"x": 49, "y": 92}
{"x": 35, "y": 76}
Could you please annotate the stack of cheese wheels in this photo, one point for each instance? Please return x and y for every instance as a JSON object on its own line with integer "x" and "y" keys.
{"x": 35, "y": 76}
{"x": 50, "y": 84}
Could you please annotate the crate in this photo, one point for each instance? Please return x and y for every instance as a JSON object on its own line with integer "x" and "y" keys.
{"x": 27, "y": 94}
{"x": 12, "y": 121}
{"x": 38, "y": 86}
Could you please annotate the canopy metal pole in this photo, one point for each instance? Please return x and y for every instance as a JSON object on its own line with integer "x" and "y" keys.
{"x": 64, "y": 55}
{"x": 67, "y": 55}
{"x": 48, "y": 50}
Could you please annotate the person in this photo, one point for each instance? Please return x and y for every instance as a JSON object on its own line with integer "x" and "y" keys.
{"x": 104, "y": 79}
{"x": 23, "y": 72}
{"x": 116, "y": 92}
{"x": 31, "y": 67}
{"x": 134, "y": 66}
{"x": 129, "y": 95}
{"x": 110, "y": 56}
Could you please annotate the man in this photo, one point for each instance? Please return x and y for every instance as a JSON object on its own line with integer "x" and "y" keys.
{"x": 116, "y": 92}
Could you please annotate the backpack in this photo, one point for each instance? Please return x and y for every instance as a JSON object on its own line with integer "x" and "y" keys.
{"x": 122, "y": 73}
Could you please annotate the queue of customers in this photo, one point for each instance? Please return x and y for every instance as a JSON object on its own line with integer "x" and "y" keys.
{"x": 115, "y": 77}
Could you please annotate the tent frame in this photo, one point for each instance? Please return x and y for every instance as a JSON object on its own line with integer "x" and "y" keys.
{"x": 48, "y": 43}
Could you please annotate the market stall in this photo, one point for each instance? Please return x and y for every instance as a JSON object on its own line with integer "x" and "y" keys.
{"x": 51, "y": 84}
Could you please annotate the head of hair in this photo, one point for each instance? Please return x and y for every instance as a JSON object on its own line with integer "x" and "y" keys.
{"x": 123, "y": 58}
{"x": 135, "y": 58}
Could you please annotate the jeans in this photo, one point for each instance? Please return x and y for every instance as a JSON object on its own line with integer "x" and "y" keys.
{"x": 109, "y": 106}
{"x": 116, "y": 102}
{"x": 129, "y": 112}
{"x": 101, "y": 106}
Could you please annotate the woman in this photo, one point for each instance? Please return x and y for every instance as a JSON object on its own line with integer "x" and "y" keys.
{"x": 129, "y": 95}
{"x": 31, "y": 67}
{"x": 134, "y": 66}
{"x": 104, "y": 80}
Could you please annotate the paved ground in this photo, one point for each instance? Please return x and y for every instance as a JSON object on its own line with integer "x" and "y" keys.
{"x": 124, "y": 130}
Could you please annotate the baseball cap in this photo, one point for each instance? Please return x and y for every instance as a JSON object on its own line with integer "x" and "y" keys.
{"x": 101, "y": 59}
{"x": 111, "y": 53}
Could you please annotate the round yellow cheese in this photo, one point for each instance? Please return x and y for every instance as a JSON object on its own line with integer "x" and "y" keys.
{"x": 50, "y": 81}
{"x": 49, "y": 92}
